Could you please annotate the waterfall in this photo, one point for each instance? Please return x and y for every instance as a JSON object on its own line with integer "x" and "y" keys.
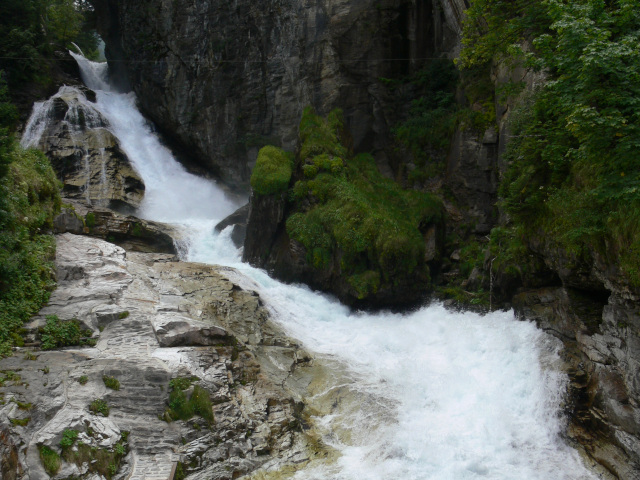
{"x": 439, "y": 394}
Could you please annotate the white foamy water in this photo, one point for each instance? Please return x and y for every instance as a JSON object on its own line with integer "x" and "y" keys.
{"x": 442, "y": 395}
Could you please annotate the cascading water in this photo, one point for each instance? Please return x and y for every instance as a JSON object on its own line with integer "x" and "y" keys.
{"x": 439, "y": 394}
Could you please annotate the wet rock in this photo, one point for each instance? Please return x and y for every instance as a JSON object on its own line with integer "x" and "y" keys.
{"x": 129, "y": 232}
{"x": 86, "y": 156}
{"x": 238, "y": 220}
{"x": 140, "y": 307}
{"x": 602, "y": 356}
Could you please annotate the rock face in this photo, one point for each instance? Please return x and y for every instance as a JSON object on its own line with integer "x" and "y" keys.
{"x": 150, "y": 317}
{"x": 128, "y": 232}
{"x": 227, "y": 78}
{"x": 596, "y": 315}
{"x": 85, "y": 155}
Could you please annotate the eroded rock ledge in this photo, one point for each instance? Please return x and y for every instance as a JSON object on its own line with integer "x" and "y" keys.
{"x": 156, "y": 319}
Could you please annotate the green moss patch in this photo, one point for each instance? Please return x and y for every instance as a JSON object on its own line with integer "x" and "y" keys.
{"x": 272, "y": 171}
{"x": 50, "y": 460}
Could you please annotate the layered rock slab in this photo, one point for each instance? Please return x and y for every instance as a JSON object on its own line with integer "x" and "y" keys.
{"x": 134, "y": 303}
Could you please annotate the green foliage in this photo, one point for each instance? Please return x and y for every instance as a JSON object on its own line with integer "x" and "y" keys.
{"x": 83, "y": 380}
{"x": 496, "y": 29}
{"x": 31, "y": 30}
{"x": 50, "y": 460}
{"x": 428, "y": 130}
{"x": 573, "y": 168}
{"x": 111, "y": 382}
{"x": 20, "y": 422}
{"x": 29, "y": 199}
{"x": 57, "y": 333}
{"x": 99, "y": 407}
{"x": 69, "y": 437}
{"x": 123, "y": 315}
{"x": 182, "y": 383}
{"x": 201, "y": 402}
{"x": 345, "y": 205}
{"x": 103, "y": 461}
{"x": 181, "y": 408}
{"x": 272, "y": 172}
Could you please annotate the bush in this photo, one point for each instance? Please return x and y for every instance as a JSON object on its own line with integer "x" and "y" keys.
{"x": 57, "y": 334}
{"x": 272, "y": 171}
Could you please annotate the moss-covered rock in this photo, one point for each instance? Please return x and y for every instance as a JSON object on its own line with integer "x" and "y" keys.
{"x": 343, "y": 227}
{"x": 272, "y": 172}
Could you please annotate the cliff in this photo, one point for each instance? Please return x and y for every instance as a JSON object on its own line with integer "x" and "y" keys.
{"x": 224, "y": 79}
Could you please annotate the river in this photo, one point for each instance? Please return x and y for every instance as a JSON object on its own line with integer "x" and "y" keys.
{"x": 445, "y": 395}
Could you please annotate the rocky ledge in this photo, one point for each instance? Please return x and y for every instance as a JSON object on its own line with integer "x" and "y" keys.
{"x": 153, "y": 327}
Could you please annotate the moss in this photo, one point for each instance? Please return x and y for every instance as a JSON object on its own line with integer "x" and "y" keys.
{"x": 123, "y": 315}
{"x": 50, "y": 460}
{"x": 272, "y": 171}
{"x": 21, "y": 422}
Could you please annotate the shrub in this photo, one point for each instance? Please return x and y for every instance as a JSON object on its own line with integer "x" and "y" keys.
{"x": 83, "y": 380}
{"x": 181, "y": 408}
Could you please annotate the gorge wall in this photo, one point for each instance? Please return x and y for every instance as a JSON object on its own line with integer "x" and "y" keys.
{"x": 224, "y": 79}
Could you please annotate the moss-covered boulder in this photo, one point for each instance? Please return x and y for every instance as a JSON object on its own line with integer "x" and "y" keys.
{"x": 338, "y": 224}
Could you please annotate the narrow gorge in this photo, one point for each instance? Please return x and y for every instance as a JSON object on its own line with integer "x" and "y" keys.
{"x": 270, "y": 276}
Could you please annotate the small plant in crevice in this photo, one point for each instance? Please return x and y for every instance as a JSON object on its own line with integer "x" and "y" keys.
{"x": 183, "y": 408}
{"x": 83, "y": 380}
{"x": 50, "y": 460}
{"x": 69, "y": 437}
{"x": 57, "y": 333}
{"x": 99, "y": 407}
{"x": 103, "y": 461}
{"x": 20, "y": 422}
{"x": 111, "y": 382}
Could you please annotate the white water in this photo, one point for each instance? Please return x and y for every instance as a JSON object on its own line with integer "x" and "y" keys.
{"x": 445, "y": 395}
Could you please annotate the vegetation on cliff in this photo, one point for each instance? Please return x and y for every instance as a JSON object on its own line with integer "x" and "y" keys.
{"x": 272, "y": 172}
{"x": 29, "y": 199}
{"x": 573, "y": 173}
{"x": 31, "y": 31}
{"x": 353, "y": 220}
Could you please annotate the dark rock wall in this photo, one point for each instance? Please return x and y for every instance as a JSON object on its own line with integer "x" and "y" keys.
{"x": 224, "y": 78}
